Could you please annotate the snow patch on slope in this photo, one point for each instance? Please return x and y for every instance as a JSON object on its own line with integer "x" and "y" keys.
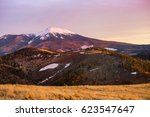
{"x": 30, "y": 41}
{"x": 50, "y": 66}
{"x": 67, "y": 65}
{"x": 94, "y": 69}
{"x": 50, "y": 77}
{"x": 82, "y": 52}
{"x": 5, "y": 37}
{"x": 134, "y": 73}
{"x": 60, "y": 31}
{"x": 47, "y": 79}
{"x": 62, "y": 37}
{"x": 86, "y": 46}
{"x": 42, "y": 38}
{"x": 54, "y": 65}
{"x": 47, "y": 35}
{"x": 111, "y": 49}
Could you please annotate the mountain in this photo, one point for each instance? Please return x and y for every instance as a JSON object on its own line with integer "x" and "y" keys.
{"x": 62, "y": 40}
{"x": 91, "y": 66}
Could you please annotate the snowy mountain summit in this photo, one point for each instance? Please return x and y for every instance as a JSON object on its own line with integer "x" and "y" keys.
{"x": 60, "y": 31}
{"x": 54, "y": 31}
{"x": 49, "y": 33}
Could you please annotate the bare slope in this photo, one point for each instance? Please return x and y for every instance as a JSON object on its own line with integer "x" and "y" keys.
{"x": 94, "y": 66}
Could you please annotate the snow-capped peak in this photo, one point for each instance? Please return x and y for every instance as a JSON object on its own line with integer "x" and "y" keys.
{"x": 54, "y": 31}
{"x": 60, "y": 31}
{"x": 45, "y": 34}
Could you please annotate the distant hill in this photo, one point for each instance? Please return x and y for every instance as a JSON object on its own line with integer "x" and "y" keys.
{"x": 91, "y": 66}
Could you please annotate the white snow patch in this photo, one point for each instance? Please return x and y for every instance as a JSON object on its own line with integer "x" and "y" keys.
{"x": 50, "y": 76}
{"x": 28, "y": 35}
{"x": 43, "y": 81}
{"x": 56, "y": 36}
{"x": 53, "y": 31}
{"x": 82, "y": 52}
{"x": 62, "y": 37}
{"x": 42, "y": 38}
{"x": 111, "y": 49}
{"x": 61, "y": 50}
{"x": 134, "y": 73}
{"x": 47, "y": 35}
{"x": 86, "y": 46}
{"x": 50, "y": 66}
{"x": 57, "y": 55}
{"x": 38, "y": 55}
{"x": 30, "y": 41}
{"x": 5, "y": 37}
{"x": 94, "y": 69}
{"x": 34, "y": 56}
{"x": 60, "y": 31}
{"x": 67, "y": 65}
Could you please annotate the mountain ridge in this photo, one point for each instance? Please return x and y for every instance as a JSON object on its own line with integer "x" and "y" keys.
{"x": 62, "y": 40}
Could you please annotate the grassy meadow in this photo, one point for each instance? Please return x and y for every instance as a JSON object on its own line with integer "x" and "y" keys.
{"x": 114, "y": 92}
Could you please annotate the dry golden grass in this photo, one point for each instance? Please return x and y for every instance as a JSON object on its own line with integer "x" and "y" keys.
{"x": 123, "y": 92}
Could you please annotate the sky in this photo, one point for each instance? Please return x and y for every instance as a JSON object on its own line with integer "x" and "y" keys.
{"x": 115, "y": 20}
